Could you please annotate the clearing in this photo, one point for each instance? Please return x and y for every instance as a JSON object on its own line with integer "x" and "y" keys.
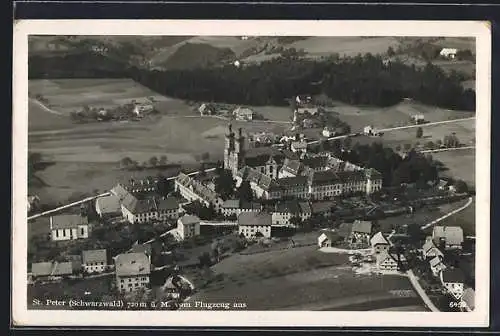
{"x": 299, "y": 278}
{"x": 461, "y": 164}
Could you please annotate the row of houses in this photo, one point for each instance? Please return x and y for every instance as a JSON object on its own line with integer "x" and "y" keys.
{"x": 90, "y": 261}
{"x": 240, "y": 113}
{"x": 137, "y": 209}
{"x": 318, "y": 185}
{"x": 451, "y": 278}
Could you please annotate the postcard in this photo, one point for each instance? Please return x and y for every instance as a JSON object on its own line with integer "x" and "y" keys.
{"x": 251, "y": 173}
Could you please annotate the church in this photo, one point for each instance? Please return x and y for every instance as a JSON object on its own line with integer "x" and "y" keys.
{"x": 266, "y": 160}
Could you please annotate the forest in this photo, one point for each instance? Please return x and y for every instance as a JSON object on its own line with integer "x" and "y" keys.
{"x": 360, "y": 80}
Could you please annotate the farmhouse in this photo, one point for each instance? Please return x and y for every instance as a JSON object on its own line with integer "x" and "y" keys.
{"x": 450, "y": 53}
{"x": 418, "y": 118}
{"x": 328, "y": 132}
{"x": 360, "y": 233}
{"x": 194, "y": 190}
{"x": 243, "y": 114}
{"x": 299, "y": 146}
{"x": 68, "y": 227}
{"x": 137, "y": 210}
{"x": 108, "y": 206}
{"x": 188, "y": 226}
{"x": 132, "y": 271}
{"x": 252, "y": 224}
{"x": 327, "y": 239}
{"x": 379, "y": 243}
{"x": 94, "y": 261}
{"x": 430, "y": 250}
{"x": 51, "y": 270}
{"x": 386, "y": 262}
{"x": 453, "y": 280}
{"x": 451, "y": 237}
{"x": 437, "y": 266}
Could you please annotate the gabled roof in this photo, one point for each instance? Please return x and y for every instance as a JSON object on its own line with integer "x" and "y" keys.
{"x": 142, "y": 248}
{"x": 291, "y": 166}
{"x": 379, "y": 239}
{"x": 109, "y": 204}
{"x": 288, "y": 207}
{"x": 231, "y": 204}
{"x": 435, "y": 261}
{"x": 188, "y": 219}
{"x": 453, "y": 235}
{"x": 120, "y": 191}
{"x": 322, "y": 206}
{"x": 91, "y": 256}
{"x": 67, "y": 221}
{"x": 453, "y": 275}
{"x": 381, "y": 257}
{"x": 325, "y": 178}
{"x": 255, "y": 218}
{"x": 352, "y": 176}
{"x": 362, "y": 227}
{"x": 132, "y": 264}
{"x": 428, "y": 245}
{"x": 305, "y": 207}
{"x": 52, "y": 268}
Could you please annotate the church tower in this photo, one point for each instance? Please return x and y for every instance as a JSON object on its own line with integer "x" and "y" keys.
{"x": 238, "y": 157}
{"x": 228, "y": 147}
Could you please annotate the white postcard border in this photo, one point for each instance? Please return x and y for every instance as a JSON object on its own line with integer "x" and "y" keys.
{"x": 21, "y": 316}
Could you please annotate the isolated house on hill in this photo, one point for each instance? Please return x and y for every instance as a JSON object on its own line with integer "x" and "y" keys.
{"x": 450, "y": 53}
{"x": 243, "y": 114}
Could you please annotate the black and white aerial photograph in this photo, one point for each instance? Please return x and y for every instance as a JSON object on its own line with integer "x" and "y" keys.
{"x": 251, "y": 173}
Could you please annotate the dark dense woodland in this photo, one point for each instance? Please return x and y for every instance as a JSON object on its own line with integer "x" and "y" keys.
{"x": 366, "y": 80}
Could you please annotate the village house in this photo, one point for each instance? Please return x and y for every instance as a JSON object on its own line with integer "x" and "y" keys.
{"x": 167, "y": 208}
{"x": 243, "y": 114}
{"x": 143, "y": 210}
{"x": 305, "y": 210}
{"x": 450, "y": 237}
{"x": 108, "y": 206}
{"x": 449, "y": 53}
{"x": 418, "y": 118}
{"x": 299, "y": 146}
{"x": 360, "y": 234}
{"x": 386, "y": 261}
{"x": 51, "y": 271}
{"x": 437, "y": 266}
{"x": 284, "y": 211}
{"x": 290, "y": 168}
{"x": 94, "y": 261}
{"x": 142, "y": 108}
{"x": 206, "y": 109}
{"x": 68, "y": 227}
{"x": 194, "y": 190}
{"x": 323, "y": 208}
{"x": 379, "y": 243}
{"x": 327, "y": 239}
{"x": 453, "y": 280}
{"x": 188, "y": 226}
{"x": 231, "y": 207}
{"x": 430, "y": 250}
{"x": 328, "y": 132}
{"x": 145, "y": 249}
{"x": 250, "y": 224}
{"x": 132, "y": 271}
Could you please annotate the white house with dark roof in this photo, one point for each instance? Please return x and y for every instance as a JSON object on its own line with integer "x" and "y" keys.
{"x": 108, "y": 206}
{"x": 243, "y": 114}
{"x": 451, "y": 237}
{"x": 386, "y": 261}
{"x": 51, "y": 270}
{"x": 94, "y": 261}
{"x": 132, "y": 271}
{"x": 188, "y": 226}
{"x": 453, "y": 280}
{"x": 68, "y": 227}
{"x": 379, "y": 243}
{"x": 250, "y": 223}
{"x": 327, "y": 239}
{"x": 450, "y": 53}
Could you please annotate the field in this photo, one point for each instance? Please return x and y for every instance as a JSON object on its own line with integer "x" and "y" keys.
{"x": 460, "y": 165}
{"x": 67, "y": 95}
{"x": 300, "y": 278}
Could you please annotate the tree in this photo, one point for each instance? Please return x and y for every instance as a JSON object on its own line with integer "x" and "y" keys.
{"x": 439, "y": 143}
{"x": 390, "y": 52}
{"x": 245, "y": 192}
{"x": 163, "y": 160}
{"x": 347, "y": 143}
{"x": 296, "y": 221}
{"x": 420, "y": 132}
{"x": 461, "y": 186}
{"x": 153, "y": 161}
{"x": 430, "y": 145}
{"x": 224, "y": 183}
{"x": 407, "y": 146}
{"x": 451, "y": 141}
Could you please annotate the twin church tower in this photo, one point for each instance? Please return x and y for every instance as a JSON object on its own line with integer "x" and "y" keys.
{"x": 234, "y": 150}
